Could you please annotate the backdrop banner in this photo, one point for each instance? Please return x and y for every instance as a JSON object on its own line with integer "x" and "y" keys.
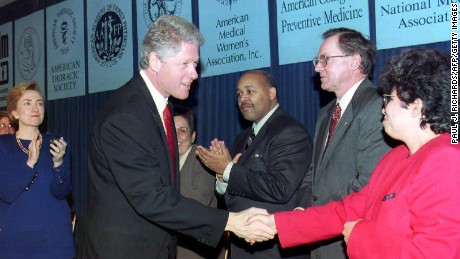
{"x": 65, "y": 55}
{"x": 237, "y": 36}
{"x": 110, "y": 44}
{"x": 29, "y": 49}
{"x": 6, "y": 61}
{"x": 301, "y": 24}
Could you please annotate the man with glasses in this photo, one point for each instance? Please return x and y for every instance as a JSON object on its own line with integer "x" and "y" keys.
{"x": 6, "y": 125}
{"x": 349, "y": 140}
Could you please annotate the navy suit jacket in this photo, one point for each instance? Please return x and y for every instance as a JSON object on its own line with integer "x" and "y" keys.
{"x": 267, "y": 175}
{"x": 134, "y": 207}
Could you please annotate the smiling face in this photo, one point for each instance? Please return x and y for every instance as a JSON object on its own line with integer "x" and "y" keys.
{"x": 255, "y": 97}
{"x": 30, "y": 109}
{"x": 185, "y": 138}
{"x": 174, "y": 75}
{"x": 397, "y": 119}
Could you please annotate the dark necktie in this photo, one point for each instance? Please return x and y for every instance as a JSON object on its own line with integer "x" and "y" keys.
{"x": 170, "y": 136}
{"x": 252, "y": 136}
{"x": 334, "y": 121}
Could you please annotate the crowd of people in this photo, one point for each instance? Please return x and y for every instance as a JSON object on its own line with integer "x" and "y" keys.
{"x": 379, "y": 179}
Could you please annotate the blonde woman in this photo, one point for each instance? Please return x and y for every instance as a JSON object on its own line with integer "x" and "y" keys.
{"x": 34, "y": 182}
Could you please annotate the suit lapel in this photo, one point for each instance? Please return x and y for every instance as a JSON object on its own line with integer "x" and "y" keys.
{"x": 242, "y": 144}
{"x": 186, "y": 172}
{"x": 346, "y": 119}
{"x": 342, "y": 127}
{"x": 261, "y": 135}
{"x": 140, "y": 84}
{"x": 322, "y": 130}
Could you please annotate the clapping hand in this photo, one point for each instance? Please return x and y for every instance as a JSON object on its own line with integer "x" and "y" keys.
{"x": 57, "y": 149}
{"x": 34, "y": 150}
{"x": 216, "y": 157}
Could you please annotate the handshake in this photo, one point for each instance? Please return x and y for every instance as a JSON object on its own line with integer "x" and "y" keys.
{"x": 253, "y": 225}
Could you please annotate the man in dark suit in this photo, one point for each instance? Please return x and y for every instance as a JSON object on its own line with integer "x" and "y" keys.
{"x": 272, "y": 164}
{"x": 134, "y": 204}
{"x": 344, "y": 158}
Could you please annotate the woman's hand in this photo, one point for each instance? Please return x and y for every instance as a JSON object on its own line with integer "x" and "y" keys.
{"x": 348, "y": 228}
{"x": 34, "y": 150}
{"x": 57, "y": 149}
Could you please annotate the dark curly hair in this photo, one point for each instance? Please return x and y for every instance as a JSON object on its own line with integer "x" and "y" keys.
{"x": 422, "y": 74}
{"x": 188, "y": 114}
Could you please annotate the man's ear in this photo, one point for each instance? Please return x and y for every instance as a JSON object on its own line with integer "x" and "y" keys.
{"x": 356, "y": 61}
{"x": 154, "y": 61}
{"x": 272, "y": 93}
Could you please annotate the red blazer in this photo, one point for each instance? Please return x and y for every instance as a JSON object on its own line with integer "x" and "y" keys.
{"x": 409, "y": 209}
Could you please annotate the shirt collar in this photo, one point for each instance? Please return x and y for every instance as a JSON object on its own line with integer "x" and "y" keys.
{"x": 158, "y": 98}
{"x": 346, "y": 98}
{"x": 258, "y": 126}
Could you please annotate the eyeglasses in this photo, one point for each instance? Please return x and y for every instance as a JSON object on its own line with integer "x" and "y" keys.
{"x": 387, "y": 99}
{"x": 324, "y": 59}
{"x": 4, "y": 125}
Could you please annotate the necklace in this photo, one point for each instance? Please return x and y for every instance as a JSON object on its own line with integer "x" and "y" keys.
{"x": 22, "y": 147}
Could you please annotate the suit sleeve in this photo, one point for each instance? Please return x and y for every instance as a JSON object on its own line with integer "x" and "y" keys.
{"x": 137, "y": 158}
{"x": 14, "y": 179}
{"x": 288, "y": 160}
{"x": 61, "y": 185}
{"x": 434, "y": 208}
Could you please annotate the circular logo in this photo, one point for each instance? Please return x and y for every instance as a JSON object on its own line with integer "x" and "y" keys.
{"x": 64, "y": 30}
{"x": 156, "y": 8}
{"x": 110, "y": 36}
{"x": 28, "y": 56}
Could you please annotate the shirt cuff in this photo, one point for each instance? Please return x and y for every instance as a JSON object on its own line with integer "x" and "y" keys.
{"x": 227, "y": 170}
{"x": 221, "y": 187}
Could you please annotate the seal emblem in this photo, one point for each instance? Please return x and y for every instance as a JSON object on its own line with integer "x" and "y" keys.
{"x": 64, "y": 30}
{"x": 156, "y": 8}
{"x": 110, "y": 35}
{"x": 28, "y": 55}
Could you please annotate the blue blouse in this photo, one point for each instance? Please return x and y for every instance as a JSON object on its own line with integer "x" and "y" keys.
{"x": 34, "y": 214}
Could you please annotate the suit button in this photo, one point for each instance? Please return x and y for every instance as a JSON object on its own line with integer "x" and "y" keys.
{"x": 169, "y": 246}
{"x": 314, "y": 198}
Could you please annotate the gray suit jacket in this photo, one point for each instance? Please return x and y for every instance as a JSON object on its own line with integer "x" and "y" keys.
{"x": 267, "y": 176}
{"x": 351, "y": 156}
{"x": 197, "y": 183}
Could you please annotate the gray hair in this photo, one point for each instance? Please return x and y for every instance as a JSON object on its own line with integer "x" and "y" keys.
{"x": 166, "y": 35}
{"x": 352, "y": 42}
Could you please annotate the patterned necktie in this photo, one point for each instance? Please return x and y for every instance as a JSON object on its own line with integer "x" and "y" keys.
{"x": 169, "y": 135}
{"x": 334, "y": 121}
{"x": 252, "y": 136}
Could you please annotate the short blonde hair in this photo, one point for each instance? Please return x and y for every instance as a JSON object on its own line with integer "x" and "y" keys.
{"x": 16, "y": 93}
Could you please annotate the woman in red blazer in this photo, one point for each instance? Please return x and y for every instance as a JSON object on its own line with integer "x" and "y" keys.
{"x": 411, "y": 206}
